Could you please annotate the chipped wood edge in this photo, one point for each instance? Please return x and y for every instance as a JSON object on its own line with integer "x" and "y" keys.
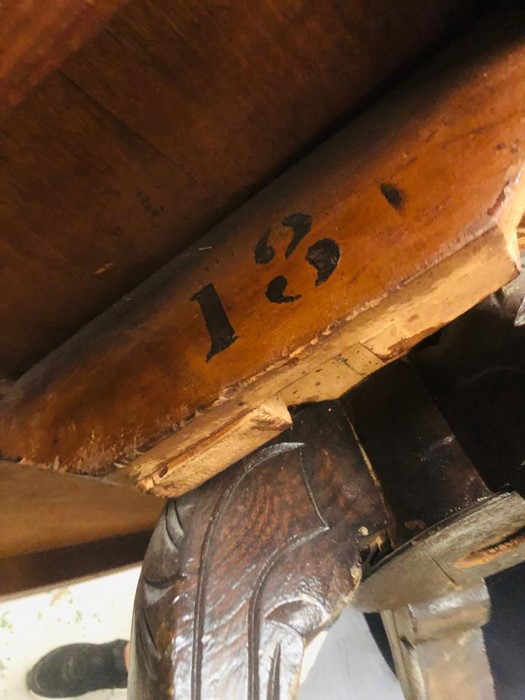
{"x": 170, "y": 467}
{"x": 388, "y": 331}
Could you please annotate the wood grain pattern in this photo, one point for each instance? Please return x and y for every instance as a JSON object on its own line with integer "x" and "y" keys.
{"x": 521, "y": 234}
{"x": 475, "y": 371}
{"x": 243, "y": 572}
{"x": 166, "y": 122}
{"x": 438, "y": 646}
{"x": 447, "y": 528}
{"x": 36, "y": 36}
{"x": 45, "y": 510}
{"x": 449, "y": 143}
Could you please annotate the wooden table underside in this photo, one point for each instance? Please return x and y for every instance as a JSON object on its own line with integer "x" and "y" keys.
{"x": 393, "y": 227}
{"x": 161, "y": 146}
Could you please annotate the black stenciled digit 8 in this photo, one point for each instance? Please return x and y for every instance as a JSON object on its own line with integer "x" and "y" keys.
{"x": 323, "y": 255}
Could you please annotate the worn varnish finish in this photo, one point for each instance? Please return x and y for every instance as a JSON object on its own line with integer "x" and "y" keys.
{"x": 448, "y": 530}
{"x": 425, "y": 475}
{"x": 167, "y": 121}
{"x": 438, "y": 646}
{"x": 475, "y": 369}
{"x": 326, "y": 261}
{"x": 243, "y": 572}
{"x": 36, "y": 36}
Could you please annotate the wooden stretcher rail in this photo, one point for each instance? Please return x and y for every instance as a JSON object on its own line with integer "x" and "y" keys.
{"x": 395, "y": 226}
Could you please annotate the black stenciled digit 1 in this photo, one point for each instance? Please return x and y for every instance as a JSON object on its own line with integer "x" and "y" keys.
{"x": 217, "y": 322}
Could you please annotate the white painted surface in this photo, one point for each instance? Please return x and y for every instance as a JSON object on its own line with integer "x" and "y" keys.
{"x": 348, "y": 665}
{"x": 96, "y": 610}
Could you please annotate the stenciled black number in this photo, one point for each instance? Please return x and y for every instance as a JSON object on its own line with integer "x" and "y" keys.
{"x": 217, "y": 322}
{"x": 323, "y": 256}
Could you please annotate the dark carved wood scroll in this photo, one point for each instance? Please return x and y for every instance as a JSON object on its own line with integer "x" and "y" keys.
{"x": 244, "y": 571}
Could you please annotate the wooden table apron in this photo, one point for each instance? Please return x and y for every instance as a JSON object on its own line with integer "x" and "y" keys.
{"x": 412, "y": 206}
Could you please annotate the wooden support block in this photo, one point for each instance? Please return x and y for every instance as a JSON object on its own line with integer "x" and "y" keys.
{"x": 395, "y": 226}
{"x": 182, "y": 461}
{"x": 335, "y": 377}
{"x": 438, "y": 646}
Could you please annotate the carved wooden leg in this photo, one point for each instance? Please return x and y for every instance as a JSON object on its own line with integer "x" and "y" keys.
{"x": 244, "y": 571}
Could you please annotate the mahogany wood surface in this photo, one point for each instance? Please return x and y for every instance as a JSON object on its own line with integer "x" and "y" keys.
{"x": 399, "y": 223}
{"x": 162, "y": 125}
{"x": 37, "y": 35}
{"x": 53, "y": 567}
{"x": 243, "y": 572}
{"x": 40, "y": 511}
